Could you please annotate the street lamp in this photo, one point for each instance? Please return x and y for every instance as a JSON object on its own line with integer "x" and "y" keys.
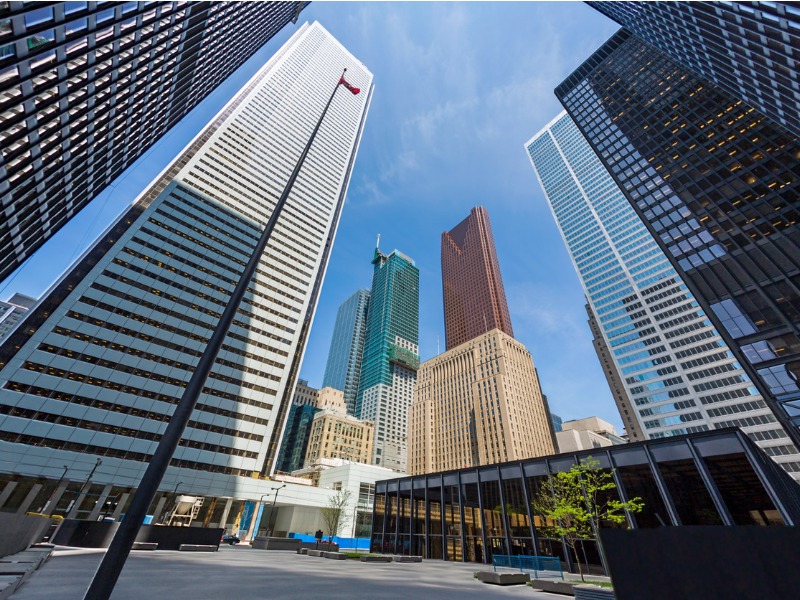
{"x": 55, "y": 489}
{"x": 272, "y": 509}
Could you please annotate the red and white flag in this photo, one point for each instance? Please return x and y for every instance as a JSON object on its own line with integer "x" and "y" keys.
{"x": 353, "y": 89}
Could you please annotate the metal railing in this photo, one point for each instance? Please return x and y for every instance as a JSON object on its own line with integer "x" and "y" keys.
{"x": 528, "y": 563}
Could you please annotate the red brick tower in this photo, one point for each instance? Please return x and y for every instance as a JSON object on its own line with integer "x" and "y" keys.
{"x": 474, "y": 298}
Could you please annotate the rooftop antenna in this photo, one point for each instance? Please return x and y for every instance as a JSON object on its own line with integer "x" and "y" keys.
{"x": 378, "y": 243}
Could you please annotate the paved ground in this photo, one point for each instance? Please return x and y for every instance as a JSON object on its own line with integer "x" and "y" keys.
{"x": 243, "y": 573}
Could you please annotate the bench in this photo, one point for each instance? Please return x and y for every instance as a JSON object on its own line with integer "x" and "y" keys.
{"x": 335, "y": 555}
{"x": 554, "y": 587}
{"x": 145, "y": 546}
{"x": 198, "y": 548}
{"x": 496, "y": 578}
{"x": 311, "y": 552}
{"x": 383, "y": 558}
{"x": 407, "y": 559}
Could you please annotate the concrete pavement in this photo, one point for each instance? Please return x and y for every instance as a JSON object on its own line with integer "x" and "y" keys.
{"x": 242, "y": 573}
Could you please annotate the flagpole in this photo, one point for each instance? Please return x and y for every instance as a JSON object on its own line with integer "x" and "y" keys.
{"x": 107, "y": 574}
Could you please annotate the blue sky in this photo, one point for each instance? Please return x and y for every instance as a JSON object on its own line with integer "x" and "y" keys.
{"x": 459, "y": 88}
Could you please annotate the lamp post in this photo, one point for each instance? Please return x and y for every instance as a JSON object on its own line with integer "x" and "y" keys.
{"x": 105, "y": 578}
{"x": 55, "y": 489}
{"x": 272, "y": 510}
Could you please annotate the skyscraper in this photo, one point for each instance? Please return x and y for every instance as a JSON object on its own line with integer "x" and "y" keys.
{"x": 292, "y": 454}
{"x": 343, "y": 368}
{"x": 618, "y": 390}
{"x": 474, "y": 297}
{"x": 87, "y": 87}
{"x": 12, "y": 311}
{"x": 104, "y": 357}
{"x": 679, "y": 373}
{"x": 391, "y": 356}
{"x": 716, "y": 184}
{"x": 750, "y": 49}
{"x": 479, "y": 403}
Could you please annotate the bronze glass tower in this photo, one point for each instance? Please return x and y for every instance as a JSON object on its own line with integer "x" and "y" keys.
{"x": 474, "y": 298}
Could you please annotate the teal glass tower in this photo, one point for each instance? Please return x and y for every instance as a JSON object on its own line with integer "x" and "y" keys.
{"x": 391, "y": 356}
{"x": 343, "y": 368}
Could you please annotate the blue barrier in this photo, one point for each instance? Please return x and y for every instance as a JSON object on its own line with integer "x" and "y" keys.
{"x": 528, "y": 563}
{"x": 344, "y": 542}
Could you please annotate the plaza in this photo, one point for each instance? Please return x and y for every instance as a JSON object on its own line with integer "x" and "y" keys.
{"x": 241, "y": 572}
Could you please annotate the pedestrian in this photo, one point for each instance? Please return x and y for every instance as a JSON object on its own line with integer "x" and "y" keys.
{"x": 318, "y": 536}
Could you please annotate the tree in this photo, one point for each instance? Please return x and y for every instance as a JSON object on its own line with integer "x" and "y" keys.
{"x": 573, "y": 504}
{"x": 335, "y": 514}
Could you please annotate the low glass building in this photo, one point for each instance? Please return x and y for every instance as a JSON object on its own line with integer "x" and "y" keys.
{"x": 710, "y": 478}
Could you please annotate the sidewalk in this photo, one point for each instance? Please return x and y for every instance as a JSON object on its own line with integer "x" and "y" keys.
{"x": 243, "y": 573}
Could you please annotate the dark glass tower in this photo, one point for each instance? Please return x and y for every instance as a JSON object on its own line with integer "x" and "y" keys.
{"x": 295, "y": 438}
{"x": 718, "y": 185}
{"x": 87, "y": 87}
{"x": 474, "y": 297}
{"x": 750, "y": 49}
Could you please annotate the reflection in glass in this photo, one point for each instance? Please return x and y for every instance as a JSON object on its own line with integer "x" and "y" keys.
{"x": 744, "y": 496}
{"x": 690, "y": 495}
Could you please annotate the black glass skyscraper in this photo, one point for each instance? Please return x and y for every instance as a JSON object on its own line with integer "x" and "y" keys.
{"x": 87, "y": 87}
{"x": 750, "y": 49}
{"x": 718, "y": 185}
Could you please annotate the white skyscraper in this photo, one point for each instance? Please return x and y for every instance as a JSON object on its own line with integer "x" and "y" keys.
{"x": 679, "y": 373}
{"x": 105, "y": 356}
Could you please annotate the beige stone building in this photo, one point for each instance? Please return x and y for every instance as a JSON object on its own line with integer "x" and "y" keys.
{"x": 478, "y": 404}
{"x": 335, "y": 434}
{"x": 585, "y": 434}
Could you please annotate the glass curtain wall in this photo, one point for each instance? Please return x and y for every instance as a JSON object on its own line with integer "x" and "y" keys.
{"x": 715, "y": 478}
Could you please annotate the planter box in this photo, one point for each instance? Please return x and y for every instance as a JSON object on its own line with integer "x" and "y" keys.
{"x": 335, "y": 555}
{"x": 503, "y": 578}
{"x": 144, "y": 546}
{"x": 376, "y": 559}
{"x": 554, "y": 587}
{"x": 593, "y": 592}
{"x": 197, "y": 548}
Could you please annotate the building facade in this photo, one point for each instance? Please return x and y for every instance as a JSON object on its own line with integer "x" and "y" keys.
{"x": 88, "y": 87}
{"x": 292, "y": 455}
{"x": 391, "y": 356}
{"x": 472, "y": 287}
{"x": 304, "y": 394}
{"x": 105, "y": 355}
{"x": 343, "y": 368}
{"x": 718, "y": 187}
{"x": 618, "y": 390}
{"x": 709, "y": 478}
{"x": 477, "y": 404}
{"x": 12, "y": 311}
{"x": 679, "y": 373}
{"x": 750, "y": 49}
{"x": 337, "y": 435}
{"x": 585, "y": 434}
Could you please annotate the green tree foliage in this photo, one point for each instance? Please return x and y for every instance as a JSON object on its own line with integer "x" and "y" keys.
{"x": 335, "y": 513}
{"x": 575, "y": 503}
